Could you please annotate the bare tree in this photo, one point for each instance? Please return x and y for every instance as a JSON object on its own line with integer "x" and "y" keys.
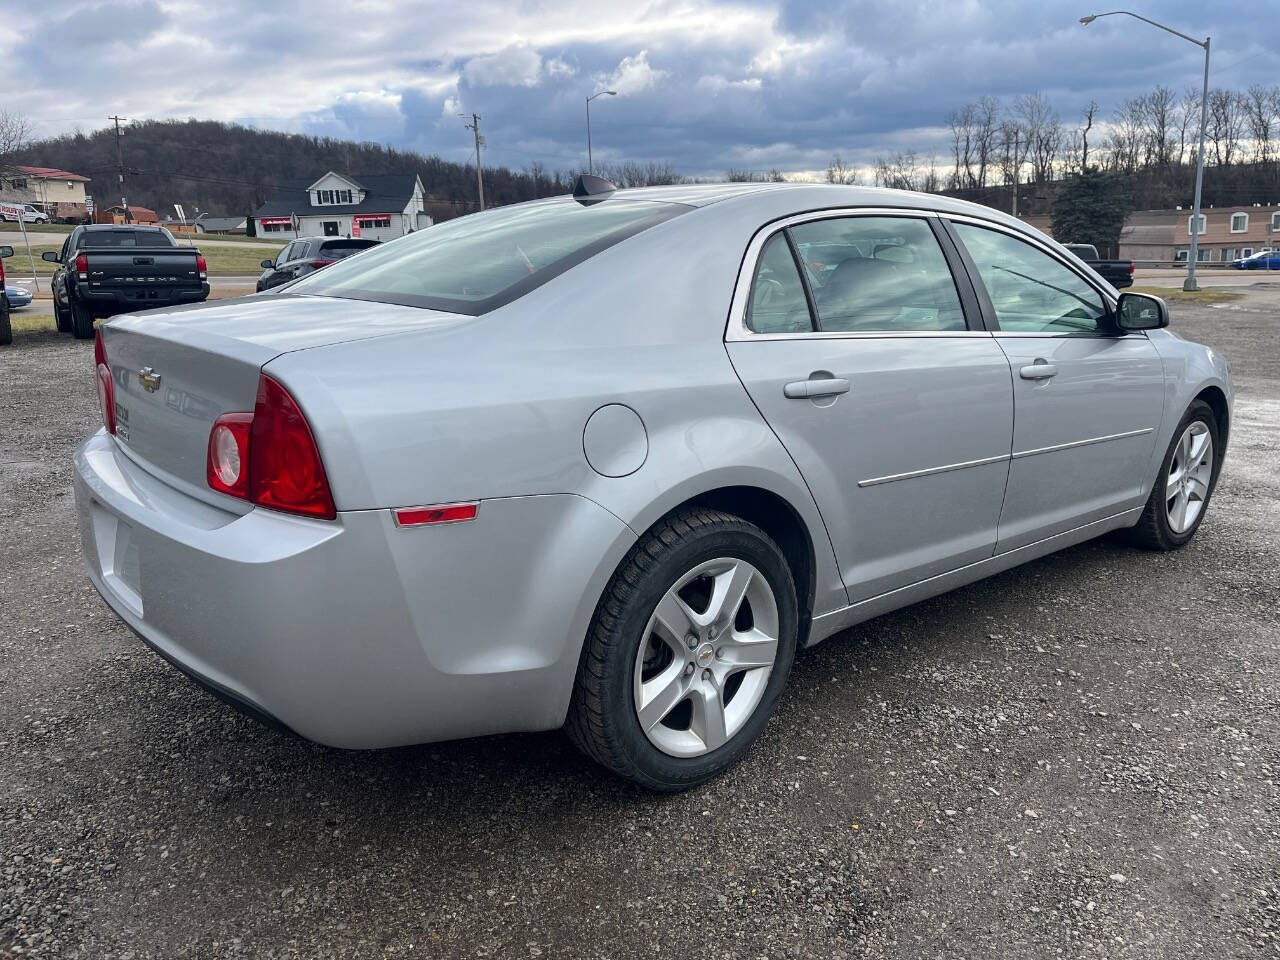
{"x": 1127, "y": 135}
{"x": 1188, "y": 118}
{"x": 961, "y": 122}
{"x": 15, "y": 135}
{"x": 840, "y": 172}
{"x": 1227, "y": 117}
{"x": 1038, "y": 125}
{"x": 987, "y": 133}
{"x": 900, "y": 171}
{"x": 1259, "y": 103}
{"x": 1157, "y": 111}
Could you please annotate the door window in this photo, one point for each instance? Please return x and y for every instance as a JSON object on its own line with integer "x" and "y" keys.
{"x": 878, "y": 274}
{"x": 1030, "y": 290}
{"x": 283, "y": 258}
{"x": 778, "y": 303}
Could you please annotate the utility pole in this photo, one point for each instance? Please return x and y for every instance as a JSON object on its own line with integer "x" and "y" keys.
{"x": 1016, "y": 172}
{"x": 120, "y": 165}
{"x": 474, "y": 127}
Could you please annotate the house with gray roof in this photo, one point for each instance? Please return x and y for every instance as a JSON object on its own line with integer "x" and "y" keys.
{"x": 380, "y": 207}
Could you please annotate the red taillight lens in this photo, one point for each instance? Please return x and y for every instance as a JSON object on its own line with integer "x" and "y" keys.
{"x": 202, "y": 265}
{"x": 228, "y": 466}
{"x": 322, "y": 262}
{"x": 269, "y": 457}
{"x": 106, "y": 389}
{"x": 82, "y": 266}
{"x": 1131, "y": 268}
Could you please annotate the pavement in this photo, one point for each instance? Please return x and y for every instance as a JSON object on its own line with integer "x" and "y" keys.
{"x": 1077, "y": 758}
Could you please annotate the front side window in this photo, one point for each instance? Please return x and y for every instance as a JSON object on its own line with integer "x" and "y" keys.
{"x": 1030, "y": 290}
{"x": 878, "y": 274}
{"x": 283, "y": 256}
{"x": 778, "y": 304}
{"x": 479, "y": 262}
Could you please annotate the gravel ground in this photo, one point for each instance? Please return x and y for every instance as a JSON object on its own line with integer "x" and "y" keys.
{"x": 1075, "y": 758}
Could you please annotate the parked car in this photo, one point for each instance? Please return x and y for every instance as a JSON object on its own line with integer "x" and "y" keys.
{"x": 6, "y": 327}
{"x": 29, "y": 215}
{"x": 105, "y": 269}
{"x": 607, "y": 464}
{"x": 1262, "y": 260}
{"x": 18, "y": 297}
{"x": 306, "y": 255}
{"x": 1118, "y": 273}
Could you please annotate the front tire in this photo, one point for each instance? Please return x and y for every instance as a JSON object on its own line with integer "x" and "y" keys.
{"x": 1188, "y": 473}
{"x": 6, "y": 325}
{"x": 61, "y": 317}
{"x": 81, "y": 320}
{"x": 688, "y": 651}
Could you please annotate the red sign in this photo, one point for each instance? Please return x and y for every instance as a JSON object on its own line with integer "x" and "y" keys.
{"x": 275, "y": 221}
{"x": 355, "y": 227}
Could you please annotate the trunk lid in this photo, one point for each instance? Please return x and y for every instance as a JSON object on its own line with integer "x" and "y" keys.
{"x": 176, "y": 371}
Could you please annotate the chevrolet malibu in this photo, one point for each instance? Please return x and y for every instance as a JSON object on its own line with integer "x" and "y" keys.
{"x": 605, "y": 461}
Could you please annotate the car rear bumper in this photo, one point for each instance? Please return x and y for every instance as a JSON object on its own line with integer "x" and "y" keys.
{"x": 139, "y": 299}
{"x": 353, "y": 633}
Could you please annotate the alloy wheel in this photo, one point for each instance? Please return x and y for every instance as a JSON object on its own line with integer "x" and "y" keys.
{"x": 1190, "y": 472}
{"x": 705, "y": 657}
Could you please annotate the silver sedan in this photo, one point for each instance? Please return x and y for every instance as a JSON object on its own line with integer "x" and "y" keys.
{"x": 606, "y": 461}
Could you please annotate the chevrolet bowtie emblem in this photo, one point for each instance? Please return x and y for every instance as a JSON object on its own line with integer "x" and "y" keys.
{"x": 149, "y": 379}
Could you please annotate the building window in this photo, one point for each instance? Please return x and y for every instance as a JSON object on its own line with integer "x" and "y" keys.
{"x": 344, "y": 196}
{"x": 1200, "y": 226}
{"x": 374, "y": 223}
{"x": 1181, "y": 256}
{"x": 1204, "y": 255}
{"x": 18, "y": 184}
{"x": 1228, "y": 254}
{"x": 1246, "y": 251}
{"x": 1239, "y": 222}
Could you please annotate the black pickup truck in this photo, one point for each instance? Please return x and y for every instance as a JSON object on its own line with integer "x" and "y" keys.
{"x": 1118, "y": 273}
{"x": 105, "y": 269}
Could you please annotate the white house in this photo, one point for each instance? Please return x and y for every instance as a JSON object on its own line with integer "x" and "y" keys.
{"x": 380, "y": 207}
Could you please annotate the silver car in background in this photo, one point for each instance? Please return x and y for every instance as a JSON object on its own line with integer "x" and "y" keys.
{"x": 605, "y": 461}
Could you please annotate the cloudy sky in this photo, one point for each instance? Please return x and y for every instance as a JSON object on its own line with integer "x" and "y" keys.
{"x": 703, "y": 84}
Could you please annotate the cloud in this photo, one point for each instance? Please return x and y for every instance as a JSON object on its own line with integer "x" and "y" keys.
{"x": 516, "y": 65}
{"x": 703, "y": 84}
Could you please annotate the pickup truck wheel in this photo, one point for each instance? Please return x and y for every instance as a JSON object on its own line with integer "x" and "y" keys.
{"x": 81, "y": 322}
{"x": 61, "y": 317}
{"x": 6, "y": 327}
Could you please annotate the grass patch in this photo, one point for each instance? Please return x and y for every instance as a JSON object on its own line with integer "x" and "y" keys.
{"x": 1175, "y": 295}
{"x": 223, "y": 261}
{"x": 24, "y": 321}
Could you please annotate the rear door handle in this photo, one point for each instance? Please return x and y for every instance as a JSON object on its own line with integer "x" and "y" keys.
{"x": 808, "y": 389}
{"x": 1040, "y": 370}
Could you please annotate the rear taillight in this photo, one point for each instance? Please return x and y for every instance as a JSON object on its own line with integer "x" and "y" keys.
{"x": 322, "y": 262}
{"x": 228, "y": 465}
{"x": 1131, "y": 268}
{"x": 1, "y": 273}
{"x": 82, "y": 267}
{"x": 106, "y": 389}
{"x": 202, "y": 266}
{"x": 269, "y": 457}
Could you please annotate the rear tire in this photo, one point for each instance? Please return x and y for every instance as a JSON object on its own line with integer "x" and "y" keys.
{"x": 6, "y": 325}
{"x": 670, "y": 712}
{"x": 1180, "y": 494}
{"x": 81, "y": 321}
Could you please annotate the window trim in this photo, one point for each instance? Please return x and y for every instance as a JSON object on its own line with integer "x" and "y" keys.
{"x": 1109, "y": 298}
{"x": 1231, "y": 223}
{"x": 737, "y": 329}
{"x": 1204, "y": 225}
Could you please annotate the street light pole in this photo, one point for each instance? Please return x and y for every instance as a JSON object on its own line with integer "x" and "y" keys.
{"x": 1194, "y": 256}
{"x": 601, "y": 93}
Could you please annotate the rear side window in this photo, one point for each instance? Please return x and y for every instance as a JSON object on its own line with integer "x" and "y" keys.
{"x": 479, "y": 262}
{"x": 778, "y": 303}
{"x": 878, "y": 274}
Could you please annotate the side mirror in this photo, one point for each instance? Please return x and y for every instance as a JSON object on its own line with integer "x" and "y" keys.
{"x": 268, "y": 264}
{"x": 50, "y": 255}
{"x": 6, "y": 251}
{"x": 1141, "y": 311}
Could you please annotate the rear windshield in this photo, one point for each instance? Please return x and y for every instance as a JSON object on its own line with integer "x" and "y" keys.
{"x": 125, "y": 238}
{"x": 345, "y": 248}
{"x": 479, "y": 262}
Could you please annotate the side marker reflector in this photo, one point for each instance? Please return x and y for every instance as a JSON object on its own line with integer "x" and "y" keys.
{"x": 440, "y": 513}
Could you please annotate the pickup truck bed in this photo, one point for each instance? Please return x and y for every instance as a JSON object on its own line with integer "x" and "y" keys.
{"x": 1118, "y": 273}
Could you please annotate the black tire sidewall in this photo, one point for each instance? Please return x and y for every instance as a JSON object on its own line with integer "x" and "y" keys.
{"x": 736, "y": 539}
{"x": 1198, "y": 411}
{"x": 81, "y": 321}
{"x": 6, "y": 326}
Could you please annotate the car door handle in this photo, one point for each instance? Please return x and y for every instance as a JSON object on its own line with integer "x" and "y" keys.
{"x": 1038, "y": 371}
{"x": 808, "y": 389}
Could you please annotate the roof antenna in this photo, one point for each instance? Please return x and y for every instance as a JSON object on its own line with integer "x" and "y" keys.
{"x": 588, "y": 189}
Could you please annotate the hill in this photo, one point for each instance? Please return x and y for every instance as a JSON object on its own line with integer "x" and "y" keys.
{"x": 227, "y": 170}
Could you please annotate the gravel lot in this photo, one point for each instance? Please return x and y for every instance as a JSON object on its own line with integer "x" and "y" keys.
{"x": 1076, "y": 758}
